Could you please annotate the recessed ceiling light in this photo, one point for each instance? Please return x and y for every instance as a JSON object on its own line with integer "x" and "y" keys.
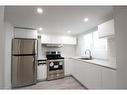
{"x": 40, "y": 10}
{"x": 68, "y": 31}
{"x": 86, "y": 19}
{"x": 40, "y": 29}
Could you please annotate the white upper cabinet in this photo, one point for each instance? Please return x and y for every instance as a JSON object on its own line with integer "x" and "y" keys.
{"x": 25, "y": 33}
{"x": 106, "y": 29}
{"x": 57, "y": 39}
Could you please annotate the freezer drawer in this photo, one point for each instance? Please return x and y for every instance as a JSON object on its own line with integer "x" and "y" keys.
{"x": 24, "y": 46}
{"x": 23, "y": 70}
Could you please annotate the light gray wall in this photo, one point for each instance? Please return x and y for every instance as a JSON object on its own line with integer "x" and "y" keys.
{"x": 111, "y": 54}
{"x": 8, "y": 39}
{"x": 120, "y": 18}
{"x": 1, "y": 47}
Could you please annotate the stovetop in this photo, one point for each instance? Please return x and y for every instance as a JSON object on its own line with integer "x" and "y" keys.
{"x": 54, "y": 58}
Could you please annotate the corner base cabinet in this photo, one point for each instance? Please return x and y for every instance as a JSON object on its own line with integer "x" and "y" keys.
{"x": 93, "y": 76}
{"x": 108, "y": 78}
{"x": 88, "y": 74}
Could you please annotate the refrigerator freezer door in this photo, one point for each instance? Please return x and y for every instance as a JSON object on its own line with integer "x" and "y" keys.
{"x": 24, "y": 46}
{"x": 23, "y": 71}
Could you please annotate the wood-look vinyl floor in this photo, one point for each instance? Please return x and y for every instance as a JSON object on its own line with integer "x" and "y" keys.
{"x": 66, "y": 83}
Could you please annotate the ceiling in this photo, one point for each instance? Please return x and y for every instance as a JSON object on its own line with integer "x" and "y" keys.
{"x": 58, "y": 19}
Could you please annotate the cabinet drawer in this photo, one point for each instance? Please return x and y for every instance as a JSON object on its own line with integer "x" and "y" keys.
{"x": 52, "y": 72}
{"x": 60, "y": 75}
{"x": 50, "y": 77}
{"x": 56, "y": 72}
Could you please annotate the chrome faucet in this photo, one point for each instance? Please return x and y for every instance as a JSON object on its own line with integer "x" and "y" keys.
{"x": 87, "y": 50}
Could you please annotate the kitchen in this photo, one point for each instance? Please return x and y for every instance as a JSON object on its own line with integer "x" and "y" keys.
{"x": 75, "y": 46}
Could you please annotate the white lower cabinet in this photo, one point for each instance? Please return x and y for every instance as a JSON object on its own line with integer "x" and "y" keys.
{"x": 89, "y": 75}
{"x": 67, "y": 66}
{"x": 77, "y": 71}
{"x": 108, "y": 78}
{"x": 93, "y": 76}
{"x": 41, "y": 72}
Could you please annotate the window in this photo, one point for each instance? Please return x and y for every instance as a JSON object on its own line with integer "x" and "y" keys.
{"x": 97, "y": 46}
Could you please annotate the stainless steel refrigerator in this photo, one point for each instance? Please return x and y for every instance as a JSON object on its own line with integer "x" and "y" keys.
{"x": 24, "y": 56}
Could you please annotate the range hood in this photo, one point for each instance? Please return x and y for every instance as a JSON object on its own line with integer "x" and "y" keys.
{"x": 54, "y": 45}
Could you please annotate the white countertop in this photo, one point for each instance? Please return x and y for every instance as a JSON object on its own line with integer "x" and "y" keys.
{"x": 99, "y": 62}
{"x": 42, "y": 58}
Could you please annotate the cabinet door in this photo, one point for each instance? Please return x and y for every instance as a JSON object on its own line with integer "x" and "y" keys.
{"x": 88, "y": 74}
{"x": 55, "y": 39}
{"x": 67, "y": 67}
{"x": 42, "y": 72}
{"x": 92, "y": 79}
{"x": 77, "y": 70}
{"x": 108, "y": 78}
{"x": 25, "y": 33}
{"x": 45, "y": 39}
{"x": 106, "y": 29}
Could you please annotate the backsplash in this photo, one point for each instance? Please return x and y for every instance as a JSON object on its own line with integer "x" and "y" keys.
{"x": 111, "y": 50}
{"x": 66, "y": 50}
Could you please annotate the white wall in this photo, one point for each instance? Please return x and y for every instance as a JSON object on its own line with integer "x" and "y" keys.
{"x": 1, "y": 47}
{"x": 120, "y": 18}
{"x": 111, "y": 54}
{"x": 8, "y": 39}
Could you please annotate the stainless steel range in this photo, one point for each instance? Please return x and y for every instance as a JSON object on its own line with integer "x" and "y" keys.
{"x": 55, "y": 65}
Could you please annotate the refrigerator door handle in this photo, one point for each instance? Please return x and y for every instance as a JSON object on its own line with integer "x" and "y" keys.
{"x": 34, "y": 65}
{"x": 33, "y": 59}
{"x": 34, "y": 47}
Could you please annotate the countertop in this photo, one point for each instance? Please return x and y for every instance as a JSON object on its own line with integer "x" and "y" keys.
{"x": 104, "y": 63}
{"x": 42, "y": 58}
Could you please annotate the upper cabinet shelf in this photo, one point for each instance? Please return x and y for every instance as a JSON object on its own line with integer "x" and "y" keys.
{"x": 106, "y": 29}
{"x": 58, "y": 39}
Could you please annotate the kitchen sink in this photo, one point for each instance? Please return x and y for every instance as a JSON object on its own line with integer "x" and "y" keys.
{"x": 86, "y": 58}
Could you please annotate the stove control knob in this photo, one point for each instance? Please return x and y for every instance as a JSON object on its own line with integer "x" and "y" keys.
{"x": 61, "y": 63}
{"x": 51, "y": 64}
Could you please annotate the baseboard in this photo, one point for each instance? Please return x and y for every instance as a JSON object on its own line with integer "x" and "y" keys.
{"x": 41, "y": 80}
{"x": 68, "y": 75}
